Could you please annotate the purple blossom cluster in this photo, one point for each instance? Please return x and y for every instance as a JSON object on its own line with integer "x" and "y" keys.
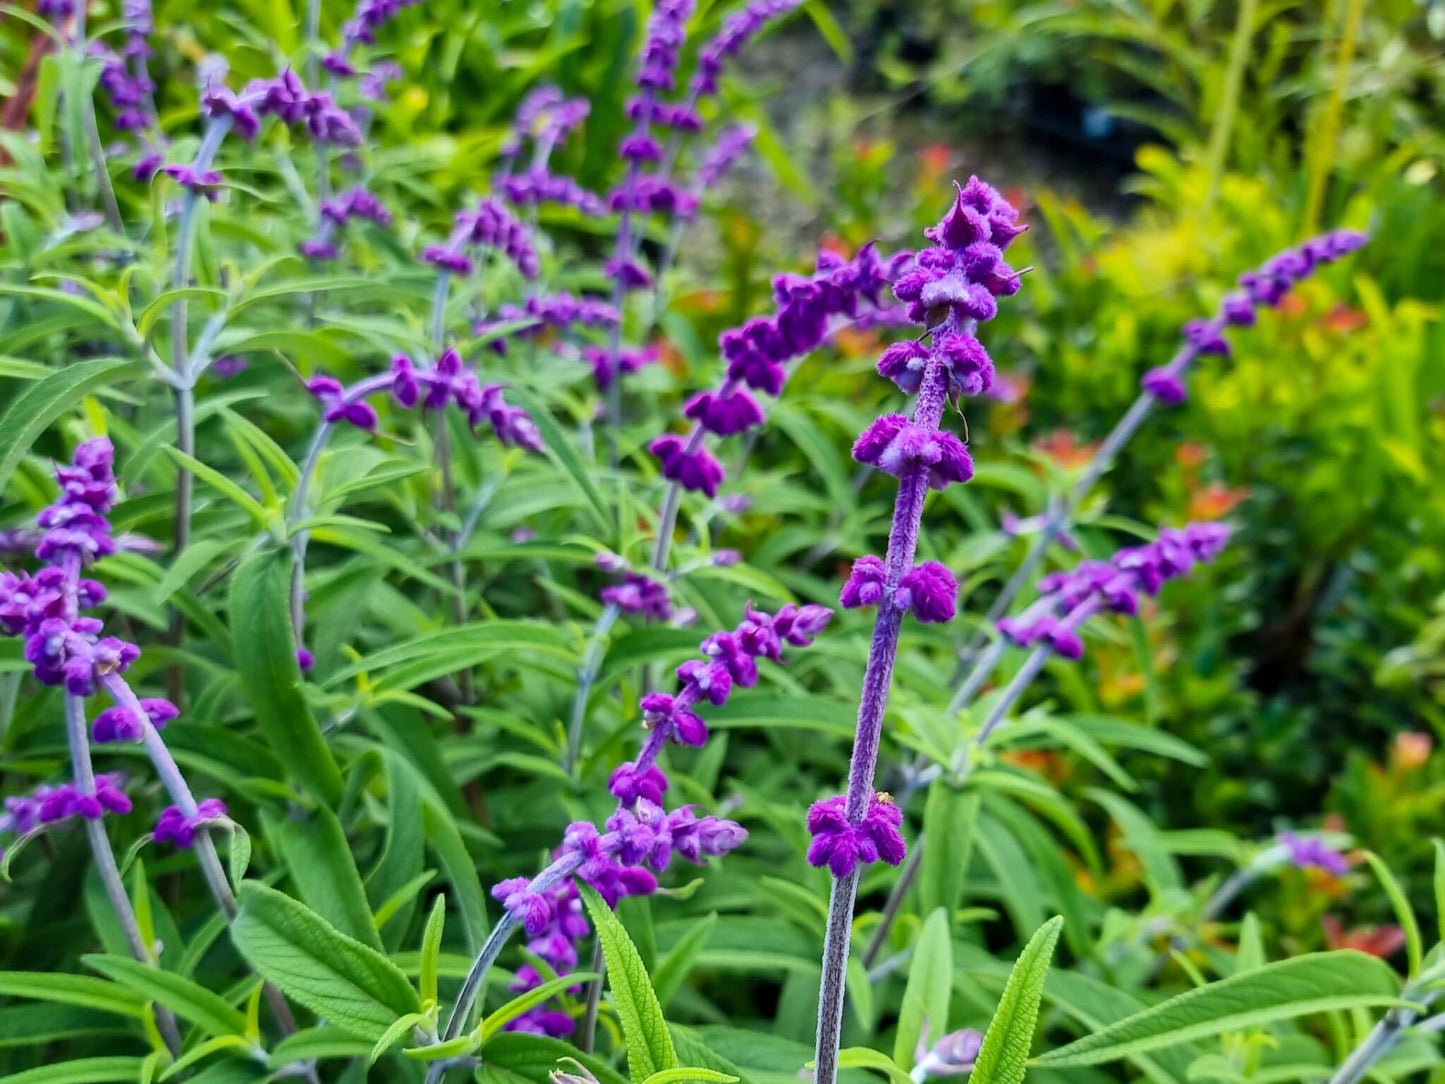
{"x": 1263, "y": 287}
{"x": 953, "y": 1054}
{"x": 50, "y": 804}
{"x": 949, "y": 288}
{"x": 537, "y": 185}
{"x": 731, "y": 143}
{"x": 286, "y": 98}
{"x": 1308, "y": 852}
{"x": 177, "y": 828}
{"x": 607, "y": 366}
{"x": 490, "y": 226}
{"x": 545, "y": 118}
{"x": 758, "y": 351}
{"x": 357, "y": 202}
{"x": 840, "y": 844}
{"x": 1070, "y": 598}
{"x": 737, "y": 30}
{"x": 641, "y": 837}
{"x": 369, "y": 17}
{"x": 448, "y": 381}
{"x": 125, "y": 78}
{"x": 637, "y": 593}
{"x": 555, "y": 312}
{"x": 66, "y": 648}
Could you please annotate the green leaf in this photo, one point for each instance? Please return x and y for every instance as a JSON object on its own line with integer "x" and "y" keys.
{"x": 949, "y": 817}
{"x": 513, "y": 1055}
{"x": 41, "y": 403}
{"x": 270, "y": 676}
{"x": 79, "y": 990}
{"x": 431, "y": 947}
{"x": 430, "y": 656}
{"x": 930, "y": 981}
{"x": 535, "y": 996}
{"x": 673, "y": 969}
{"x": 318, "y": 858}
{"x": 233, "y": 491}
{"x": 1320, "y": 982}
{"x": 80, "y": 1071}
{"x": 353, "y": 986}
{"x": 862, "y": 1057}
{"x": 399, "y": 1030}
{"x": 649, "y": 1045}
{"x": 319, "y": 1042}
{"x": 1142, "y": 837}
{"x": 188, "y": 1000}
{"x": 561, "y": 451}
{"x": 1003, "y": 1059}
{"x": 706, "y": 1076}
{"x": 1404, "y": 913}
{"x": 240, "y": 854}
{"x": 1440, "y": 886}
{"x": 204, "y": 1050}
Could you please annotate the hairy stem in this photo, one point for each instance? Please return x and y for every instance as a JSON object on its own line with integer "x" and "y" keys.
{"x": 877, "y": 677}
{"x": 594, "y": 1000}
{"x": 586, "y": 676}
{"x": 105, "y": 863}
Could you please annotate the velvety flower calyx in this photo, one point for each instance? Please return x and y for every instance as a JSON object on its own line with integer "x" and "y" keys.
{"x": 841, "y": 845}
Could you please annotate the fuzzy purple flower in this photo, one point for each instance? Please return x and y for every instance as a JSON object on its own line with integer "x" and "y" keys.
{"x": 841, "y": 845}
{"x": 176, "y": 828}
{"x": 1311, "y": 851}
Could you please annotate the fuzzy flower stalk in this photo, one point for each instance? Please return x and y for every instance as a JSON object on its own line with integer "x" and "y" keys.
{"x": 639, "y": 839}
{"x": 954, "y": 285}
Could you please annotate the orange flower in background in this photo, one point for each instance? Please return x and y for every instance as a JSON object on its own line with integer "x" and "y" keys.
{"x": 1381, "y": 941}
{"x": 1411, "y": 749}
{"x": 670, "y": 358}
{"x": 1063, "y": 447}
{"x": 853, "y": 343}
{"x": 1342, "y": 319}
{"x": 1044, "y": 762}
{"x": 1191, "y": 454}
{"x": 933, "y": 164}
{"x": 1215, "y": 500}
{"x": 831, "y": 242}
{"x": 1292, "y": 305}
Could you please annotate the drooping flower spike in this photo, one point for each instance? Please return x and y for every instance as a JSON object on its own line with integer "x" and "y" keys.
{"x": 491, "y": 225}
{"x": 758, "y": 352}
{"x": 1068, "y": 599}
{"x": 639, "y": 839}
{"x": 1264, "y": 287}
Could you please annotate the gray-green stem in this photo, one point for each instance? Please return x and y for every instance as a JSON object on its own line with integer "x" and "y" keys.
{"x": 586, "y": 677}
{"x": 105, "y": 863}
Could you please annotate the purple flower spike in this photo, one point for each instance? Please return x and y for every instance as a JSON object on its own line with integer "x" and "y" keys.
{"x": 121, "y": 723}
{"x": 1264, "y": 287}
{"x": 1069, "y": 598}
{"x": 841, "y": 845}
{"x": 738, "y": 28}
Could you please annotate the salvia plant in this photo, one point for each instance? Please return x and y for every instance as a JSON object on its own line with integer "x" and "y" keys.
{"x": 407, "y": 673}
